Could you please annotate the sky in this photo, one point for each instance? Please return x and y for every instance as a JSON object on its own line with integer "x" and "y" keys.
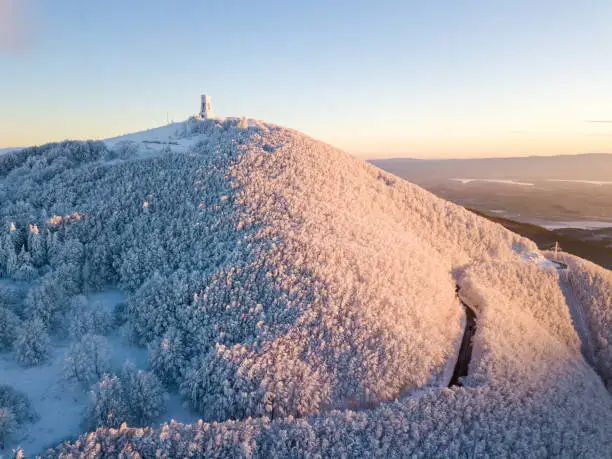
{"x": 429, "y": 79}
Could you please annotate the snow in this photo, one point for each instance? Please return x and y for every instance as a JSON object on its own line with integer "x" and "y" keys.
{"x": 538, "y": 259}
{"x": 306, "y": 301}
{"x": 589, "y": 290}
{"x": 60, "y": 404}
{"x": 153, "y": 141}
{"x": 178, "y": 411}
{"x": 465, "y": 181}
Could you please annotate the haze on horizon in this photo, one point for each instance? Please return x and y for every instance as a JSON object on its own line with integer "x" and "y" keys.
{"x": 384, "y": 79}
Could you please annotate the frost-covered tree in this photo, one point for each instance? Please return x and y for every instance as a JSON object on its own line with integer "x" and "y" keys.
{"x": 88, "y": 360}
{"x": 107, "y": 405}
{"x": 82, "y": 319}
{"x": 12, "y": 265}
{"x": 136, "y": 397}
{"x": 167, "y": 357}
{"x": 9, "y": 325}
{"x": 37, "y": 246}
{"x": 68, "y": 263}
{"x": 25, "y": 268}
{"x": 32, "y": 345}
{"x": 7, "y": 424}
{"x": 3, "y": 258}
{"x": 47, "y": 301}
{"x": 144, "y": 394}
{"x": 18, "y": 403}
{"x": 15, "y": 410}
{"x": 11, "y": 298}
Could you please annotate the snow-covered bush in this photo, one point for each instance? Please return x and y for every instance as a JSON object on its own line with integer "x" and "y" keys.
{"x": 32, "y": 345}
{"x": 88, "y": 360}
{"x": 9, "y": 325}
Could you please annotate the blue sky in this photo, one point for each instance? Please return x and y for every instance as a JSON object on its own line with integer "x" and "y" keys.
{"x": 377, "y": 78}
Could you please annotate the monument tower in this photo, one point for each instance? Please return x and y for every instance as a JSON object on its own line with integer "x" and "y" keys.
{"x": 206, "y": 110}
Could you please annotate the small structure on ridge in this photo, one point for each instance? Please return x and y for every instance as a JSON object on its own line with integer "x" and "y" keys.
{"x": 206, "y": 110}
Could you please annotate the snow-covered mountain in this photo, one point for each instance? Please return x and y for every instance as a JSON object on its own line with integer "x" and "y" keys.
{"x": 303, "y": 299}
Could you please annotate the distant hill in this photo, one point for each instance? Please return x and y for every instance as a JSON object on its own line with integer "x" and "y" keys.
{"x": 556, "y": 191}
{"x": 9, "y": 149}
{"x": 577, "y": 167}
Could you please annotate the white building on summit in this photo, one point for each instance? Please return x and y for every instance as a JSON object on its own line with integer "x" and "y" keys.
{"x": 206, "y": 110}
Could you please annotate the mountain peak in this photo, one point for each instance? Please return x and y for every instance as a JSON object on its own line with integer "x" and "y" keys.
{"x": 273, "y": 276}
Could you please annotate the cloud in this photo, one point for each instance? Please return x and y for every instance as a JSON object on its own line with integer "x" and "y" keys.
{"x": 16, "y": 29}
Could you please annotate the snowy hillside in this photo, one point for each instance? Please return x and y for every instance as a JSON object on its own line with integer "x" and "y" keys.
{"x": 302, "y": 298}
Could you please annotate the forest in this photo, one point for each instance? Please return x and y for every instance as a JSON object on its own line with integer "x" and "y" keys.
{"x": 300, "y": 301}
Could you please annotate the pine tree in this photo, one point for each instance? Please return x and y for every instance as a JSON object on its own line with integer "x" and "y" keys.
{"x": 3, "y": 258}
{"x": 25, "y": 269}
{"x": 36, "y": 244}
{"x": 12, "y": 266}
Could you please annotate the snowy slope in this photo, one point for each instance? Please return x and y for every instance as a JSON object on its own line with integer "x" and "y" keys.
{"x": 277, "y": 278}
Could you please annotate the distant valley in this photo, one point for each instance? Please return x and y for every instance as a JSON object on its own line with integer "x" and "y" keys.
{"x": 568, "y": 193}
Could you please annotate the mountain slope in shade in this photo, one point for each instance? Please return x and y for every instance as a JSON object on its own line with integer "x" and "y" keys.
{"x": 306, "y": 299}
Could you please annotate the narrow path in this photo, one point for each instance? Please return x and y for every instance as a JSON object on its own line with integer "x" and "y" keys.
{"x": 579, "y": 320}
{"x": 465, "y": 351}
